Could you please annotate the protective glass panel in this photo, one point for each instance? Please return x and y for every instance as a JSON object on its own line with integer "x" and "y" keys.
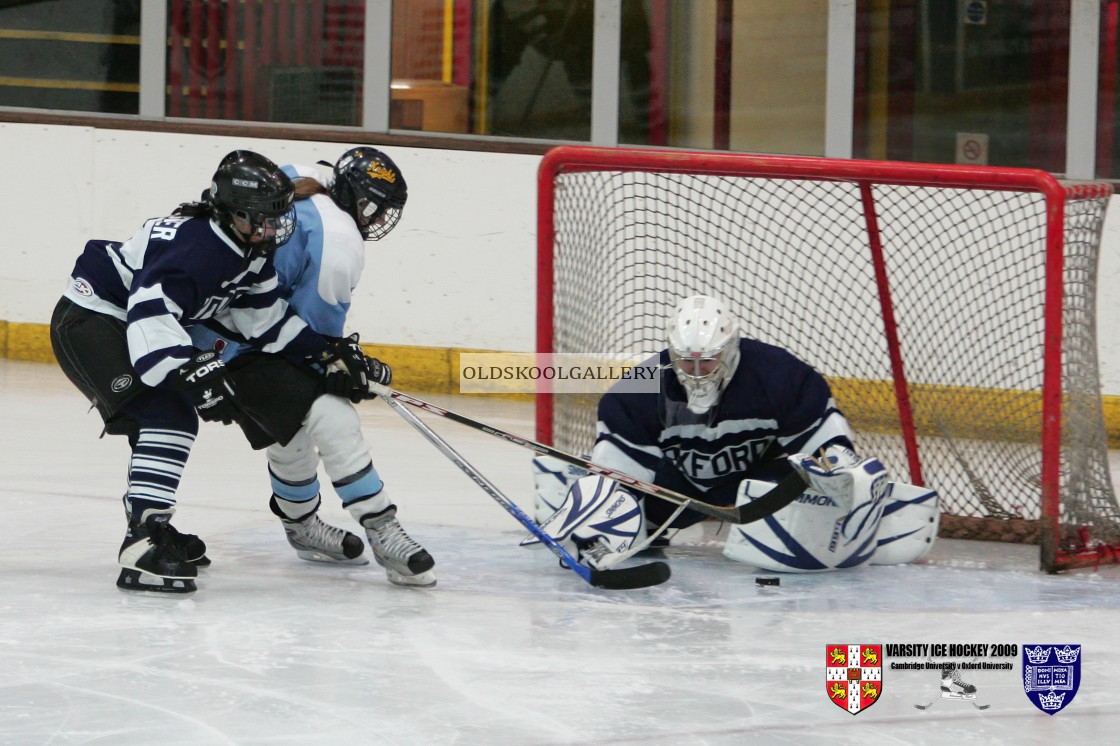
{"x": 74, "y": 55}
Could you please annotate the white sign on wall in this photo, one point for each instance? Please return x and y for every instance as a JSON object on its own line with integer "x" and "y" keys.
{"x": 972, "y": 148}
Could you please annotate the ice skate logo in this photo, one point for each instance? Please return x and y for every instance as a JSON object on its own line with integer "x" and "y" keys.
{"x": 1051, "y": 687}
{"x": 953, "y": 687}
{"x": 853, "y": 675}
{"x": 120, "y": 383}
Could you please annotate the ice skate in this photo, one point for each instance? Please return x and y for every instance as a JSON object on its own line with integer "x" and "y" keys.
{"x": 316, "y": 541}
{"x": 152, "y": 557}
{"x": 954, "y": 687}
{"x": 193, "y": 547}
{"x": 405, "y": 561}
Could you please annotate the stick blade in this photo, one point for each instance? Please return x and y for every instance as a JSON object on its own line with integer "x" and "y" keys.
{"x": 630, "y": 578}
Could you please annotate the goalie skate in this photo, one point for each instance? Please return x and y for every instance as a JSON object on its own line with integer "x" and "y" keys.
{"x": 152, "y": 559}
{"x": 405, "y": 562}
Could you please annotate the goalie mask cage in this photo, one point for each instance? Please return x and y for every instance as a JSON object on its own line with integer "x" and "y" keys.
{"x": 951, "y": 308}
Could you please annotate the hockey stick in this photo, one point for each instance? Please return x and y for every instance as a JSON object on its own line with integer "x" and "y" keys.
{"x": 627, "y": 578}
{"x": 785, "y": 492}
{"x": 926, "y": 707}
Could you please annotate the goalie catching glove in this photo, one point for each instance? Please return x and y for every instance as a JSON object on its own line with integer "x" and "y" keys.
{"x": 348, "y": 371}
{"x": 204, "y": 380}
{"x": 838, "y": 473}
{"x": 597, "y": 522}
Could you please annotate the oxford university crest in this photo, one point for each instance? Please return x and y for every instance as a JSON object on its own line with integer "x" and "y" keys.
{"x": 1051, "y": 675}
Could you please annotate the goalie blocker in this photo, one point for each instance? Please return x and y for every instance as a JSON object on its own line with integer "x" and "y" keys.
{"x": 850, "y": 516}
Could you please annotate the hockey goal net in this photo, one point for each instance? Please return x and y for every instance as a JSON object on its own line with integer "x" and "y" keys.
{"x": 951, "y": 308}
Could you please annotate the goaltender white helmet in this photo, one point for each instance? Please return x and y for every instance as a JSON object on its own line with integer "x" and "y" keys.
{"x": 703, "y": 349}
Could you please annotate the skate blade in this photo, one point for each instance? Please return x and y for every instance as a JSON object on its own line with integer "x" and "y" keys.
{"x": 420, "y": 580}
{"x": 312, "y": 556}
{"x": 425, "y": 579}
{"x": 136, "y": 580}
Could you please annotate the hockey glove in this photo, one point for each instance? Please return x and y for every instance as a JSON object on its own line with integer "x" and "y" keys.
{"x": 348, "y": 370}
{"x": 204, "y": 380}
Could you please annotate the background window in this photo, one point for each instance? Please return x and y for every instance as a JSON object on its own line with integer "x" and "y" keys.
{"x": 76, "y": 55}
{"x": 975, "y": 82}
{"x": 266, "y": 60}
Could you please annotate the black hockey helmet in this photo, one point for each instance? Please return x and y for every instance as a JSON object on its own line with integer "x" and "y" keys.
{"x": 252, "y": 201}
{"x": 370, "y": 187}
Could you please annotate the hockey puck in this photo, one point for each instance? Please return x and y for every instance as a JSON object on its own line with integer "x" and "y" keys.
{"x": 767, "y": 581}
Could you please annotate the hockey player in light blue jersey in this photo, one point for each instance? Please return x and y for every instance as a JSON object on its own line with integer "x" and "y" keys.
{"x": 302, "y": 419}
{"x": 733, "y": 417}
{"x": 120, "y": 335}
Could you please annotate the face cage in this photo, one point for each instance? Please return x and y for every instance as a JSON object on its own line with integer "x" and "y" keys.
{"x": 264, "y": 233}
{"x": 690, "y": 372}
{"x": 381, "y": 222}
{"x": 697, "y": 370}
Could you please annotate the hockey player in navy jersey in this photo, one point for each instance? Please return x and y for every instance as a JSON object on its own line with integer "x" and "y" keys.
{"x": 301, "y": 420}
{"x": 733, "y": 417}
{"x": 120, "y": 335}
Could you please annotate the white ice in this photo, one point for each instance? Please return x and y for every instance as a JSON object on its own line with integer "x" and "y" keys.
{"x": 508, "y": 648}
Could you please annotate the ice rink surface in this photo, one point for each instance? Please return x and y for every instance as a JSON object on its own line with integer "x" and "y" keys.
{"x": 507, "y": 649}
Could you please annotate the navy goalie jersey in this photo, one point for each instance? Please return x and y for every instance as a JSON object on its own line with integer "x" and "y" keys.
{"x": 774, "y": 405}
{"x": 177, "y": 271}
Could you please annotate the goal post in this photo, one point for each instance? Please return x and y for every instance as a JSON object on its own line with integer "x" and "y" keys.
{"x": 951, "y": 308}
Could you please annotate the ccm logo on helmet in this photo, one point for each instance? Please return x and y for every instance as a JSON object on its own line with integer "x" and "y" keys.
{"x": 245, "y": 183}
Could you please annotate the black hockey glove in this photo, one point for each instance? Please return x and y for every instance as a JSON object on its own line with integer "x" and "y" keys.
{"x": 204, "y": 380}
{"x": 378, "y": 371}
{"x": 347, "y": 370}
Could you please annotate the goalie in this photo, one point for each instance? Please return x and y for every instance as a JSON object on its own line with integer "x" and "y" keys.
{"x": 733, "y": 417}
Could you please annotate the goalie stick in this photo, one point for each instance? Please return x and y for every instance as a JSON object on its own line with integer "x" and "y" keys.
{"x": 783, "y": 493}
{"x": 642, "y": 576}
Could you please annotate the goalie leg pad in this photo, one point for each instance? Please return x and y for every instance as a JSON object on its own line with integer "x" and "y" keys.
{"x": 911, "y": 516}
{"x": 597, "y": 513}
{"x": 552, "y": 478}
{"x": 813, "y": 534}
